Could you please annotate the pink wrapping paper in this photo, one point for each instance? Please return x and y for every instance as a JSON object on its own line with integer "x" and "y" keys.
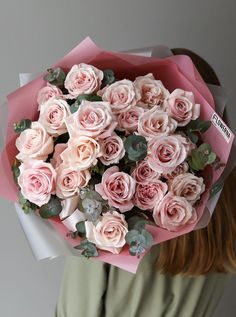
{"x": 174, "y": 71}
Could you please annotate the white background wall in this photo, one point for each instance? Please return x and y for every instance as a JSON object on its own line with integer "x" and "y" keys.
{"x": 34, "y": 34}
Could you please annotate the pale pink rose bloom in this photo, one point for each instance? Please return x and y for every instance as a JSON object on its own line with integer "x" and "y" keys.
{"x": 181, "y": 106}
{"x": 34, "y": 143}
{"x": 152, "y": 91}
{"x": 188, "y": 186}
{"x": 118, "y": 188}
{"x": 94, "y": 119}
{"x": 48, "y": 92}
{"x": 37, "y": 181}
{"x": 180, "y": 169}
{"x": 155, "y": 123}
{"x": 53, "y": 114}
{"x": 121, "y": 95}
{"x": 81, "y": 152}
{"x": 165, "y": 153}
{"x": 83, "y": 79}
{"x": 128, "y": 120}
{"x": 112, "y": 150}
{"x": 173, "y": 213}
{"x": 108, "y": 233}
{"x": 147, "y": 195}
{"x": 56, "y": 160}
{"x": 70, "y": 180}
{"x": 144, "y": 173}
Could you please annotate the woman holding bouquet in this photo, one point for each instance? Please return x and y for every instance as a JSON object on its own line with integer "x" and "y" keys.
{"x": 183, "y": 277}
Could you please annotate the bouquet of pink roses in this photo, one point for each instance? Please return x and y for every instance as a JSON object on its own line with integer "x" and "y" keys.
{"x": 118, "y": 159}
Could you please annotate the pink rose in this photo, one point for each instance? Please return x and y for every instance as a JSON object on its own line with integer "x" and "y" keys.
{"x": 173, "y": 213}
{"x": 180, "y": 169}
{"x": 143, "y": 173}
{"x": 37, "y": 181}
{"x": 48, "y": 92}
{"x": 118, "y": 188}
{"x": 154, "y": 123}
{"x": 149, "y": 194}
{"x": 83, "y": 79}
{"x": 70, "y": 180}
{"x": 112, "y": 150}
{"x": 94, "y": 119}
{"x": 128, "y": 120}
{"x": 188, "y": 186}
{"x": 56, "y": 160}
{"x": 81, "y": 152}
{"x": 34, "y": 143}
{"x": 53, "y": 114}
{"x": 152, "y": 91}
{"x": 121, "y": 95}
{"x": 108, "y": 233}
{"x": 181, "y": 106}
{"x": 165, "y": 153}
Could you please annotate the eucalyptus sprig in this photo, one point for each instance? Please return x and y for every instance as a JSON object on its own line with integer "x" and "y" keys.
{"x": 26, "y": 205}
{"x": 201, "y": 156}
{"x": 135, "y": 147}
{"x": 138, "y": 238}
{"x": 52, "y": 208}
{"x": 22, "y": 125}
{"x": 108, "y": 77}
{"x": 196, "y": 127}
{"x": 88, "y": 249}
{"x": 91, "y": 97}
{"x": 55, "y": 76}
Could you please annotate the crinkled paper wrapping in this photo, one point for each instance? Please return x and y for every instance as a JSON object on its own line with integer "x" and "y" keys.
{"x": 48, "y": 243}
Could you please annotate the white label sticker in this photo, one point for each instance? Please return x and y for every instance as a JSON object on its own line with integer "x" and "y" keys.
{"x": 221, "y": 126}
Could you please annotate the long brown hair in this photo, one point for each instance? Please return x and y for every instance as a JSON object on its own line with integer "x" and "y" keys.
{"x": 213, "y": 248}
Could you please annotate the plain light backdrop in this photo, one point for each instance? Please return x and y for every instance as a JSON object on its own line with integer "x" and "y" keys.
{"x": 35, "y": 34}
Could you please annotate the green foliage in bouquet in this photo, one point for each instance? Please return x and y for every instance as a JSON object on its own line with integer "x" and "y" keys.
{"x": 135, "y": 147}
{"x": 216, "y": 188}
{"x": 52, "y": 208}
{"x": 88, "y": 249}
{"x": 55, "y": 76}
{"x": 15, "y": 170}
{"x": 75, "y": 106}
{"x": 108, "y": 77}
{"x": 196, "y": 127}
{"x": 201, "y": 156}
{"x": 26, "y": 205}
{"x": 138, "y": 238}
{"x": 92, "y": 204}
{"x": 22, "y": 125}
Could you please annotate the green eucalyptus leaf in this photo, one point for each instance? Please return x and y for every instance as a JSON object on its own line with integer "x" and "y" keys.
{"x": 26, "y": 205}
{"x": 140, "y": 225}
{"x": 211, "y": 158}
{"x": 74, "y": 107}
{"x": 192, "y": 136}
{"x": 88, "y": 249}
{"x": 80, "y": 227}
{"x": 108, "y": 77}
{"x": 136, "y": 249}
{"x": 22, "y": 125}
{"x": 131, "y": 236}
{"x": 15, "y": 170}
{"x": 148, "y": 238}
{"x": 52, "y": 208}
{"x": 136, "y": 147}
{"x": 216, "y": 188}
{"x": 203, "y": 126}
{"x": 55, "y": 76}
